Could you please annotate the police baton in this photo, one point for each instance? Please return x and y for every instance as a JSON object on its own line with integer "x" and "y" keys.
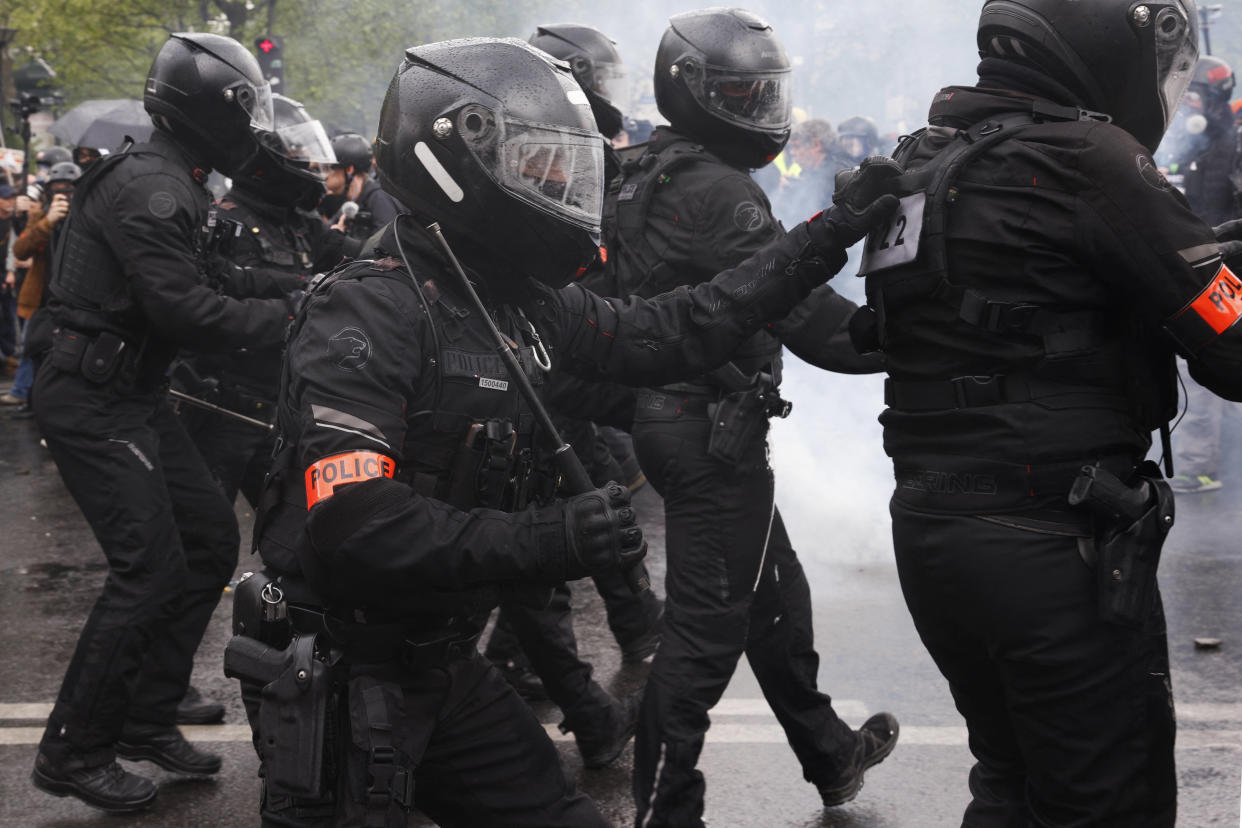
{"x": 195, "y": 401}
{"x": 576, "y": 479}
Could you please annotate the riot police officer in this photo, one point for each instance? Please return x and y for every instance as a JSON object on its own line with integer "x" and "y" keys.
{"x": 1029, "y": 323}
{"x": 535, "y": 647}
{"x": 683, "y": 211}
{"x": 270, "y": 207}
{"x": 596, "y": 64}
{"x": 127, "y": 288}
{"x": 408, "y": 493}
{"x": 349, "y": 181}
{"x": 857, "y": 137}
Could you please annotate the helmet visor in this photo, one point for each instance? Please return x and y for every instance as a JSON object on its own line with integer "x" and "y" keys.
{"x": 612, "y": 84}
{"x": 306, "y": 141}
{"x": 257, "y": 103}
{"x": 556, "y": 169}
{"x": 760, "y": 100}
{"x": 1177, "y": 51}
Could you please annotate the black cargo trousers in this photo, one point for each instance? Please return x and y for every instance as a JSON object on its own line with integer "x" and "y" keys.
{"x": 733, "y": 585}
{"x": 1070, "y": 717}
{"x": 170, "y": 539}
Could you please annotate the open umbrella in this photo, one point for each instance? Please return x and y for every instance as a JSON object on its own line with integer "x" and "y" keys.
{"x": 103, "y": 124}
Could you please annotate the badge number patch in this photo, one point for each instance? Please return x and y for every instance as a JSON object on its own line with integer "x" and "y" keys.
{"x": 896, "y": 242}
{"x": 494, "y": 384}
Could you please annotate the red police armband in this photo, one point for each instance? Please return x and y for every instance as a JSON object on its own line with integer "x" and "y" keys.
{"x": 323, "y": 476}
{"x": 1213, "y": 311}
{"x": 1219, "y": 304}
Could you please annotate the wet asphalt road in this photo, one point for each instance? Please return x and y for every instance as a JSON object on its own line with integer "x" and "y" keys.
{"x": 51, "y": 569}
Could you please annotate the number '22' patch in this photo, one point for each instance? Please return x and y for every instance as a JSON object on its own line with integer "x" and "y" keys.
{"x": 897, "y": 241}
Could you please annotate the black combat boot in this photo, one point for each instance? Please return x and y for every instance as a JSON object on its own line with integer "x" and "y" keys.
{"x": 876, "y": 740}
{"x": 107, "y": 787}
{"x": 165, "y": 746}
{"x": 603, "y": 733}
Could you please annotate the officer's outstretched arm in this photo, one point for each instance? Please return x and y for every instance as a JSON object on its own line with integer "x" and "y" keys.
{"x": 818, "y": 332}
{"x": 687, "y": 331}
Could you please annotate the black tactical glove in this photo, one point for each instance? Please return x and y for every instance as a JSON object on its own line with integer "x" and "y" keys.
{"x": 1229, "y": 235}
{"x": 601, "y": 532}
{"x": 862, "y": 200}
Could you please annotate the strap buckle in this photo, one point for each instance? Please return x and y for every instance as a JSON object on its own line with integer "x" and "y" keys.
{"x": 972, "y": 391}
{"x": 998, "y": 317}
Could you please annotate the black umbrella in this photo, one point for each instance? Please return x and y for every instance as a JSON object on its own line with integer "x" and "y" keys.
{"x": 103, "y": 124}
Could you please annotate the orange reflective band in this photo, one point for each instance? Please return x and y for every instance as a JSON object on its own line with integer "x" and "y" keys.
{"x": 325, "y": 475}
{"x": 1220, "y": 303}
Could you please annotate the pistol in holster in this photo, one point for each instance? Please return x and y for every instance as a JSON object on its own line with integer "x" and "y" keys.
{"x": 1132, "y": 520}
{"x": 298, "y": 682}
{"x": 738, "y": 416}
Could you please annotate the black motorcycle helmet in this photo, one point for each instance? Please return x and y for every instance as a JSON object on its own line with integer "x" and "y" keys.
{"x": 1127, "y": 58}
{"x": 281, "y": 171}
{"x": 1213, "y": 82}
{"x": 208, "y": 92}
{"x": 722, "y": 77}
{"x": 596, "y": 65}
{"x": 858, "y": 137}
{"x": 1213, "y": 79}
{"x": 352, "y": 150}
{"x": 494, "y": 140}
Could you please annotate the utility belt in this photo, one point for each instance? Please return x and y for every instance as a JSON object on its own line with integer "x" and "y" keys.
{"x": 100, "y": 358}
{"x": 977, "y": 391}
{"x": 275, "y": 610}
{"x": 980, "y": 486}
{"x": 738, "y": 415}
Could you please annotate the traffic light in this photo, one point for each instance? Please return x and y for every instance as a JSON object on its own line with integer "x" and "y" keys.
{"x": 270, "y": 51}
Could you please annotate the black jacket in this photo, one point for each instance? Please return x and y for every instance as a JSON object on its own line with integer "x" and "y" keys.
{"x": 667, "y": 226}
{"x": 370, "y": 369}
{"x": 1068, "y": 218}
{"x": 134, "y": 262}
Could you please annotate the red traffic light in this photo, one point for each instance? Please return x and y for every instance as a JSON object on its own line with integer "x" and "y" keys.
{"x": 266, "y": 45}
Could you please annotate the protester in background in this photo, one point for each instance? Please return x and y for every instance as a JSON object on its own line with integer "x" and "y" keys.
{"x": 813, "y": 147}
{"x": 35, "y": 244}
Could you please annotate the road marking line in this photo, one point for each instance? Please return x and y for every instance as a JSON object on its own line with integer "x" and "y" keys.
{"x": 720, "y": 734}
{"x": 723, "y": 730}
{"x": 851, "y": 709}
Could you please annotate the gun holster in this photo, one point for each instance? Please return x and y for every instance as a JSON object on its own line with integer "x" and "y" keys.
{"x": 739, "y": 415}
{"x": 1133, "y": 519}
{"x": 297, "y": 689}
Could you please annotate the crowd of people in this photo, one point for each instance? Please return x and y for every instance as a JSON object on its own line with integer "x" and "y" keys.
{"x": 380, "y": 344}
